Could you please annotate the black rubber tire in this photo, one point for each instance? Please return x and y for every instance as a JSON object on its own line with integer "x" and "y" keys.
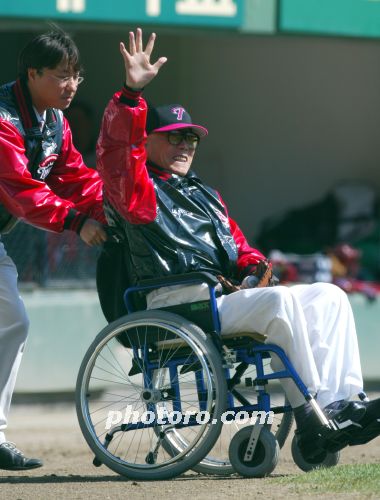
{"x": 281, "y": 433}
{"x": 201, "y": 345}
{"x": 265, "y": 457}
{"x": 215, "y": 465}
{"x": 324, "y": 460}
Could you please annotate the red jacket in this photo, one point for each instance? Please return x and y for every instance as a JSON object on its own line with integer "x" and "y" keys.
{"x": 43, "y": 179}
{"x": 136, "y": 192}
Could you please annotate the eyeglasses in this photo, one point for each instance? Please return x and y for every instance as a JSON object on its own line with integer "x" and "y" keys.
{"x": 176, "y": 137}
{"x": 64, "y": 80}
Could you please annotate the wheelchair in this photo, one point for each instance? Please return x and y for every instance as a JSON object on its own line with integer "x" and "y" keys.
{"x": 161, "y": 391}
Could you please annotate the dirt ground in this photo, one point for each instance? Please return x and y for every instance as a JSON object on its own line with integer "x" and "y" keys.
{"x": 51, "y": 432}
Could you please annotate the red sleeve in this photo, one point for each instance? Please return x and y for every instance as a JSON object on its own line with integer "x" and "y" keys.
{"x": 71, "y": 180}
{"x": 248, "y": 257}
{"x": 121, "y": 161}
{"x": 23, "y": 196}
{"x": 32, "y": 200}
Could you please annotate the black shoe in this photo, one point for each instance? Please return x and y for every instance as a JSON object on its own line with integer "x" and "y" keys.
{"x": 13, "y": 459}
{"x": 356, "y": 424}
{"x": 370, "y": 424}
{"x": 349, "y": 414}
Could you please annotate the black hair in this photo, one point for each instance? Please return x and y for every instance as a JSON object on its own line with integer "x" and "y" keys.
{"x": 48, "y": 51}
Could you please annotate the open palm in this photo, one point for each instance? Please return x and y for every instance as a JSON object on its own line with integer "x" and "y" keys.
{"x": 138, "y": 68}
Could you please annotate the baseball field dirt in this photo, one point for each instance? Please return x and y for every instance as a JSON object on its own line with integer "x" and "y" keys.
{"x": 51, "y": 432}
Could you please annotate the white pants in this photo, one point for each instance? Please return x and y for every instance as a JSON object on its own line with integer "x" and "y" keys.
{"x": 312, "y": 323}
{"x": 13, "y": 332}
{"x": 315, "y": 327}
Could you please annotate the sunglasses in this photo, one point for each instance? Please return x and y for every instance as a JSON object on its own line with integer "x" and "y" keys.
{"x": 176, "y": 137}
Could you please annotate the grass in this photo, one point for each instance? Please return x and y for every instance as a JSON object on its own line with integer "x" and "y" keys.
{"x": 362, "y": 478}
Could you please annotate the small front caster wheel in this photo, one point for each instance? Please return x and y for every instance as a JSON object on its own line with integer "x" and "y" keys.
{"x": 265, "y": 456}
{"x": 323, "y": 459}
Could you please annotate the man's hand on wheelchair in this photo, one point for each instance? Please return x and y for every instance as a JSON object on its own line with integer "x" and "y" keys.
{"x": 93, "y": 233}
{"x": 261, "y": 277}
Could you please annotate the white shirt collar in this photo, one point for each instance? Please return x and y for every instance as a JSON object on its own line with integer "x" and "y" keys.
{"x": 41, "y": 118}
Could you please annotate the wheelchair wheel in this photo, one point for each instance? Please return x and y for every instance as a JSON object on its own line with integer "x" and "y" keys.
{"x": 265, "y": 456}
{"x": 324, "y": 459}
{"x": 144, "y": 376}
{"x": 217, "y": 461}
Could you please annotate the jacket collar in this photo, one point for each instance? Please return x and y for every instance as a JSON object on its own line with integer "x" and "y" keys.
{"x": 165, "y": 175}
{"x": 158, "y": 171}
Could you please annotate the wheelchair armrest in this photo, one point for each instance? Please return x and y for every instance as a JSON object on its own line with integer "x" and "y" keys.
{"x": 180, "y": 279}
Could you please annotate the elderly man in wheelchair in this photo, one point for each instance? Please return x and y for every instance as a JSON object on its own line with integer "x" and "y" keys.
{"x": 213, "y": 332}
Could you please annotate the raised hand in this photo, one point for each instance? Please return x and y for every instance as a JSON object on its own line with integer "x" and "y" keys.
{"x": 138, "y": 68}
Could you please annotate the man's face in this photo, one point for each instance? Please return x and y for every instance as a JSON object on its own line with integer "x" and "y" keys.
{"x": 174, "y": 151}
{"x": 53, "y": 88}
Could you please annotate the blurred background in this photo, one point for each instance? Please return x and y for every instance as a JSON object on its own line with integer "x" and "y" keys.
{"x": 290, "y": 93}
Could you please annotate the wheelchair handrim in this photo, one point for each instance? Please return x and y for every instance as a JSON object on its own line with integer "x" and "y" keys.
{"x": 192, "y": 342}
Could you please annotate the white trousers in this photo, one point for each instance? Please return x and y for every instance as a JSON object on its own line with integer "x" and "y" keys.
{"x": 314, "y": 325}
{"x": 13, "y": 332}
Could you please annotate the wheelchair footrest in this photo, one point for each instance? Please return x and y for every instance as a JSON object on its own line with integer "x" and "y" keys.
{"x": 337, "y": 439}
{"x": 368, "y": 433}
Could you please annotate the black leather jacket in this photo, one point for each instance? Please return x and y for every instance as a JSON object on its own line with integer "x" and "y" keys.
{"x": 190, "y": 232}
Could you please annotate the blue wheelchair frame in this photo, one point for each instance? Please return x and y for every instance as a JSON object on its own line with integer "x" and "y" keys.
{"x": 166, "y": 345}
{"x": 255, "y": 357}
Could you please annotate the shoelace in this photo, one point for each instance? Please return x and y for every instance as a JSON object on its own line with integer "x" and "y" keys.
{"x": 11, "y": 446}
